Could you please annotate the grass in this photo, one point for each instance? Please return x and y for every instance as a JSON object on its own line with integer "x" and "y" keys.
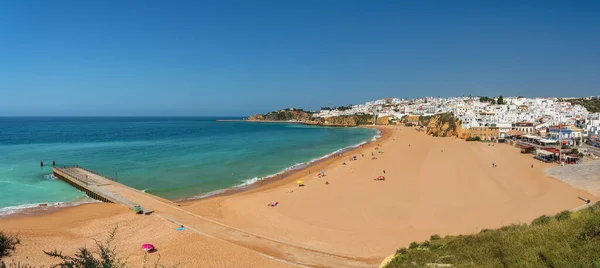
{"x": 564, "y": 240}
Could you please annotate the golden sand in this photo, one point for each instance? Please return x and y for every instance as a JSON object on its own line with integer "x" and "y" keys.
{"x": 432, "y": 185}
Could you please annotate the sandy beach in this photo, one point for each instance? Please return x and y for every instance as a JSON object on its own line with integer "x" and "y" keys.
{"x": 432, "y": 185}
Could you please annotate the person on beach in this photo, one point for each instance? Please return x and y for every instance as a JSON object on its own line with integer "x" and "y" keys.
{"x": 384, "y": 171}
{"x": 531, "y": 166}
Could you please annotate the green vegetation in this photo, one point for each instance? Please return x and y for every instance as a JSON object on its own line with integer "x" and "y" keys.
{"x": 8, "y": 244}
{"x": 103, "y": 256}
{"x": 339, "y": 108}
{"x": 287, "y": 115}
{"x": 476, "y": 138}
{"x": 501, "y": 100}
{"x": 364, "y": 119}
{"x": 564, "y": 215}
{"x": 487, "y": 99}
{"x": 565, "y": 240}
{"x": 593, "y": 106}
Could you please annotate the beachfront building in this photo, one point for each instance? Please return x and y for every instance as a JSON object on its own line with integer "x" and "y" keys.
{"x": 525, "y": 127}
{"x": 503, "y": 128}
{"x": 486, "y": 133}
{"x": 566, "y": 134}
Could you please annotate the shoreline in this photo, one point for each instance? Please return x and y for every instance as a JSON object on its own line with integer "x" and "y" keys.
{"x": 291, "y": 173}
{"x": 432, "y": 185}
{"x": 37, "y": 209}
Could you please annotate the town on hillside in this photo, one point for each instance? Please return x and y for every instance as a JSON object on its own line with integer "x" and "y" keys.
{"x": 535, "y": 122}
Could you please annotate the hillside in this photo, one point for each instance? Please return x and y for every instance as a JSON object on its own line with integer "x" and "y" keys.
{"x": 306, "y": 118}
{"x": 564, "y": 240}
{"x": 343, "y": 120}
{"x": 593, "y": 106}
{"x": 282, "y": 115}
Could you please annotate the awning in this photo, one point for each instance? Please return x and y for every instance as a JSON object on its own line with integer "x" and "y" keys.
{"x": 532, "y": 137}
{"x": 543, "y": 152}
{"x": 548, "y": 141}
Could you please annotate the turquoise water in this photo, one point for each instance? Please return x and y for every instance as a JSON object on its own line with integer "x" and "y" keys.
{"x": 170, "y": 157}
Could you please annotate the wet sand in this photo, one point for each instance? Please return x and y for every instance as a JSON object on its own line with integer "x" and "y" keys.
{"x": 426, "y": 191}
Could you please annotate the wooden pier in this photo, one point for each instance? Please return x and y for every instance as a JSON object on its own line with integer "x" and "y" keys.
{"x": 96, "y": 186}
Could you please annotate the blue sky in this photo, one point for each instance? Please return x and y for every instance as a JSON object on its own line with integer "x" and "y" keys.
{"x": 242, "y": 57}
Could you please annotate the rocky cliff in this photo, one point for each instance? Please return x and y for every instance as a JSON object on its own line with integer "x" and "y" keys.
{"x": 282, "y": 115}
{"x": 341, "y": 121}
{"x": 256, "y": 117}
{"x": 306, "y": 117}
{"x": 442, "y": 125}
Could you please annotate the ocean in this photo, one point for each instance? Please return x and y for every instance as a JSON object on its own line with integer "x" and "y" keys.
{"x": 171, "y": 157}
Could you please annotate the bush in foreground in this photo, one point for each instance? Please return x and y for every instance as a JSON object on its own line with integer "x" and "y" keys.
{"x": 8, "y": 244}
{"x": 564, "y": 240}
{"x": 102, "y": 256}
{"x": 541, "y": 220}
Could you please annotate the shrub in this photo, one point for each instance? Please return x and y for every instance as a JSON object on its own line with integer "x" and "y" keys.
{"x": 595, "y": 207}
{"x": 426, "y": 244}
{"x": 435, "y": 246}
{"x": 541, "y": 220}
{"x": 476, "y": 138}
{"x": 402, "y": 251}
{"x": 103, "y": 256}
{"x": 564, "y": 215}
{"x": 413, "y": 245}
{"x": 435, "y": 237}
{"x": 8, "y": 244}
{"x": 591, "y": 229}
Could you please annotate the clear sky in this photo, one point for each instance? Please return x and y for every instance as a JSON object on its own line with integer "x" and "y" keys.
{"x": 242, "y": 57}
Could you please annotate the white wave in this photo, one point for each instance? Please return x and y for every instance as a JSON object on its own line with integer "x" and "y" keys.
{"x": 250, "y": 181}
{"x": 44, "y": 206}
{"x": 377, "y": 136}
{"x": 215, "y": 192}
{"x": 293, "y": 167}
{"x": 50, "y": 176}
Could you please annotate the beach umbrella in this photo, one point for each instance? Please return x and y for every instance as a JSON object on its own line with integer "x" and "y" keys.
{"x": 381, "y": 178}
{"x": 148, "y": 247}
{"x": 299, "y": 182}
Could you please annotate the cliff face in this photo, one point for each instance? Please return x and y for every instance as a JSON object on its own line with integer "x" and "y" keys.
{"x": 443, "y": 125}
{"x": 306, "y": 118}
{"x": 287, "y": 115}
{"x": 384, "y": 120}
{"x": 341, "y": 121}
{"x": 256, "y": 117}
